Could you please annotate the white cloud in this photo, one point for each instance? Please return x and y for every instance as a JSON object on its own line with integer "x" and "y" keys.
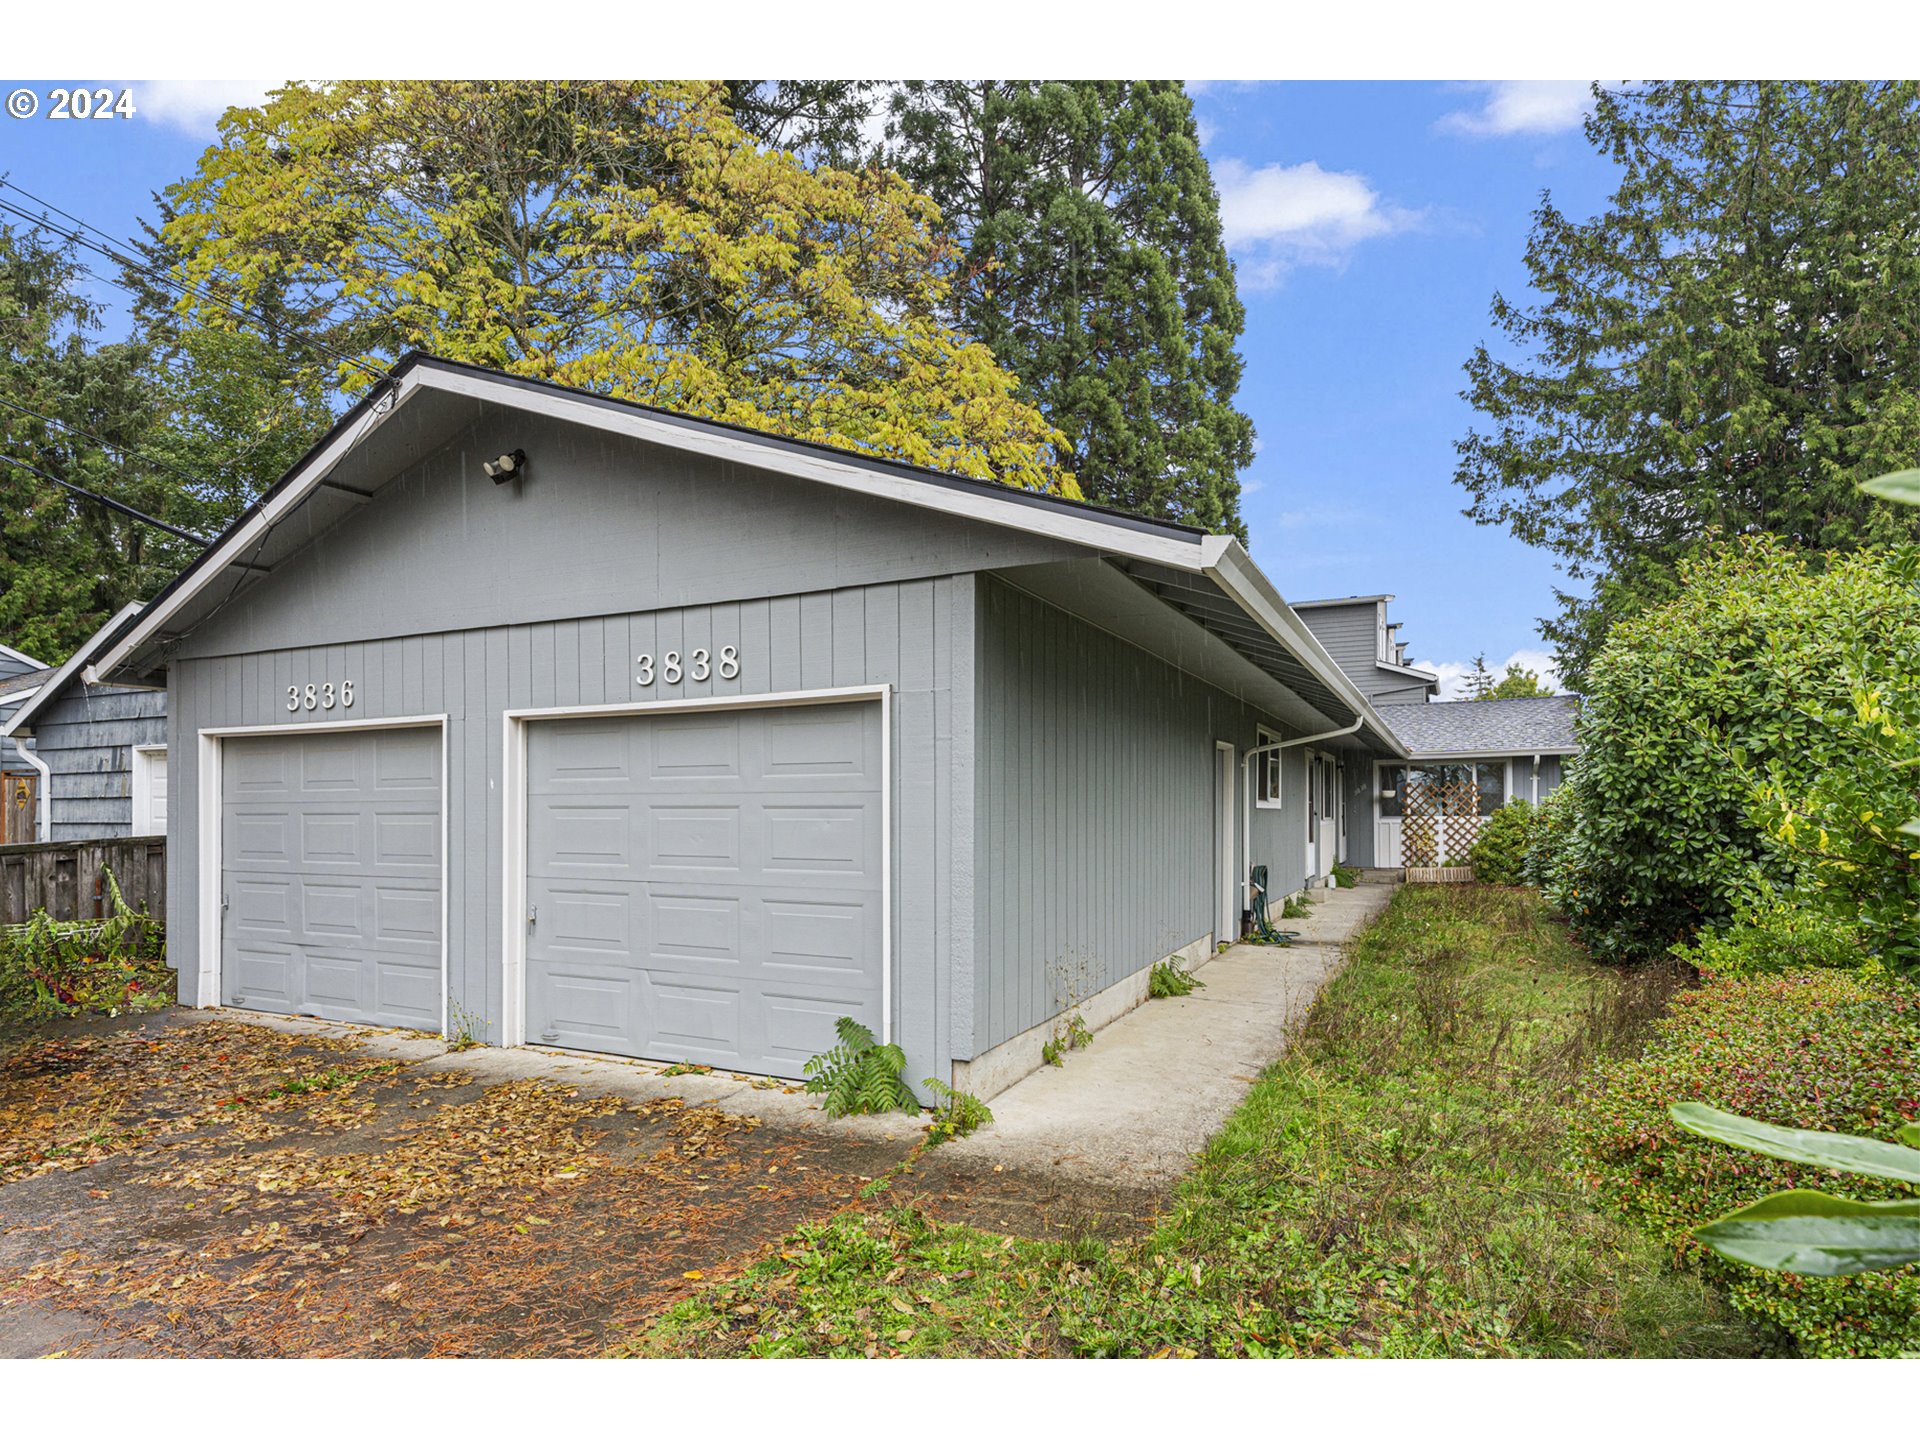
{"x": 1277, "y": 217}
{"x": 1522, "y": 107}
{"x": 1453, "y": 673}
{"x": 195, "y": 106}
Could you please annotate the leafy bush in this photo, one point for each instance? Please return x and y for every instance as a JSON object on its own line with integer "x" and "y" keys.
{"x": 51, "y": 969}
{"x": 1818, "y": 1050}
{"x": 1543, "y": 863}
{"x": 1687, "y": 705}
{"x": 859, "y": 1076}
{"x": 1500, "y": 849}
{"x": 1774, "y": 936}
{"x": 956, "y": 1114}
{"x": 1169, "y": 981}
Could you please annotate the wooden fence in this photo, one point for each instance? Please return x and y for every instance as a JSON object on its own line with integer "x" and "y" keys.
{"x": 66, "y": 879}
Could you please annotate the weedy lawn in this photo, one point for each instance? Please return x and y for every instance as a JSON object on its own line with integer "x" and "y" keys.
{"x": 1395, "y": 1185}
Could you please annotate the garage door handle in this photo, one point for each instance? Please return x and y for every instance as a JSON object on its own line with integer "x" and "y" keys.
{"x": 533, "y": 916}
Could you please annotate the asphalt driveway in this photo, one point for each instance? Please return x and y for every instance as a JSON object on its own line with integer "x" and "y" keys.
{"x": 193, "y": 1185}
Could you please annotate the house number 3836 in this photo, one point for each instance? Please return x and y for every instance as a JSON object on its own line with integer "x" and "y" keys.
{"x": 696, "y": 665}
{"x": 323, "y": 696}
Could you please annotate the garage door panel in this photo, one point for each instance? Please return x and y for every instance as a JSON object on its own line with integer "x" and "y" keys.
{"x": 407, "y": 839}
{"x": 703, "y": 747}
{"x": 332, "y": 886}
{"x": 753, "y": 867}
{"x": 701, "y": 929}
{"x": 405, "y": 916}
{"x": 330, "y": 839}
{"x": 694, "y": 837}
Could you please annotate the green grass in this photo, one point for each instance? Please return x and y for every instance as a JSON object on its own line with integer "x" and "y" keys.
{"x": 1396, "y": 1185}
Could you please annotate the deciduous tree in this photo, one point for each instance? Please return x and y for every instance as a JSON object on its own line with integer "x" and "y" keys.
{"x": 627, "y": 237}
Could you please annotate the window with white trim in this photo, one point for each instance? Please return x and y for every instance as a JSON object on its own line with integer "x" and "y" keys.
{"x": 1266, "y": 784}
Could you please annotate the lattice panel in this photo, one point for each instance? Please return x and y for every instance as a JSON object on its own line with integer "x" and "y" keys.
{"x": 1439, "y": 819}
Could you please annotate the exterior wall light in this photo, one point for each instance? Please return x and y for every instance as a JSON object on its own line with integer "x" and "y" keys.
{"x": 503, "y": 468}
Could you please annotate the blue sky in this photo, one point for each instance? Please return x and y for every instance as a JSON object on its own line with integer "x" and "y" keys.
{"x": 1371, "y": 223}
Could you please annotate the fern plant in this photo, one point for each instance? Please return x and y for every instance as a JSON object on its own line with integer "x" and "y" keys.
{"x": 859, "y": 1076}
{"x": 1168, "y": 981}
{"x": 957, "y": 1113}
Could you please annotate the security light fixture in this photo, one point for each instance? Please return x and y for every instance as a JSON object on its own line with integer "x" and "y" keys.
{"x": 503, "y": 468}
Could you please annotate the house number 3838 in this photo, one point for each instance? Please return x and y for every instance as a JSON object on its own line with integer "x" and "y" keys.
{"x": 323, "y": 696}
{"x": 695, "y": 665}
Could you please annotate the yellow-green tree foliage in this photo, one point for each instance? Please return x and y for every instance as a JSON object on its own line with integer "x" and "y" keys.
{"x": 623, "y": 236}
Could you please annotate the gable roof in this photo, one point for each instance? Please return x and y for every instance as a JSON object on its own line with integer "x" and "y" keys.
{"x": 426, "y": 401}
{"x": 1542, "y": 725}
{"x": 53, "y": 685}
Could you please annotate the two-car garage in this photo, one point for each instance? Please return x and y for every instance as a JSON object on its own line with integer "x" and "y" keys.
{"x": 704, "y": 884}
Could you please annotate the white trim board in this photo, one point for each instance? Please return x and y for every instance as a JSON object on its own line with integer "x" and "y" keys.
{"x": 210, "y": 819}
{"x": 513, "y": 825}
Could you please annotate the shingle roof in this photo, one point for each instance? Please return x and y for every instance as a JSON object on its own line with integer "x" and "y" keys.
{"x": 1486, "y": 727}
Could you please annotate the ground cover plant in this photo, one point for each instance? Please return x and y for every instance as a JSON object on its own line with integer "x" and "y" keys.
{"x": 1395, "y": 1185}
{"x": 56, "y": 969}
{"x": 1820, "y": 1050}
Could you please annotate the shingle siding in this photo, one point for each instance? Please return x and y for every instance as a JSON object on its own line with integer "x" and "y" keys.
{"x": 86, "y": 737}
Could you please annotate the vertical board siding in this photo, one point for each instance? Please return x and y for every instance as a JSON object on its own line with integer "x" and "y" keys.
{"x": 86, "y": 738}
{"x": 901, "y": 634}
{"x": 1094, "y": 813}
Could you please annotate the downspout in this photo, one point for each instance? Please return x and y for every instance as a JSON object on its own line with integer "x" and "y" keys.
{"x": 41, "y": 821}
{"x": 1246, "y": 806}
{"x": 1536, "y": 780}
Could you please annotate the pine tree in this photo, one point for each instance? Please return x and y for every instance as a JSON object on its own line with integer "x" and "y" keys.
{"x": 1727, "y": 347}
{"x": 84, "y": 412}
{"x": 1096, "y": 272}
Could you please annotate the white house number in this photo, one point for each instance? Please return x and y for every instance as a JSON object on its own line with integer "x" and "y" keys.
{"x": 696, "y": 665}
{"x": 323, "y": 696}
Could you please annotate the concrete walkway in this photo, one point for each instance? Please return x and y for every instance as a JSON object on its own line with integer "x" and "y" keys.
{"x": 1127, "y": 1113}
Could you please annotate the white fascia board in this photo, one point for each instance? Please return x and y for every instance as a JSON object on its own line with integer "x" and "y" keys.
{"x": 51, "y": 688}
{"x": 1462, "y": 757}
{"x": 1056, "y": 523}
{"x": 22, "y": 657}
{"x": 1229, "y": 566}
{"x": 1409, "y": 671}
{"x": 238, "y": 542}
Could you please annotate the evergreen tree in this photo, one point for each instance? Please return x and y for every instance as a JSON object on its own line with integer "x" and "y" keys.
{"x": 1727, "y": 347}
{"x": 85, "y": 413}
{"x": 1096, "y": 272}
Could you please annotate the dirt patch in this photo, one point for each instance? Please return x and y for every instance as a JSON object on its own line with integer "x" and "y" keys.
{"x": 225, "y": 1189}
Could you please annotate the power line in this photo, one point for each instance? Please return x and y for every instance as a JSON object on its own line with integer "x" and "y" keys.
{"x": 104, "y": 444}
{"x": 232, "y": 307}
{"x": 106, "y": 500}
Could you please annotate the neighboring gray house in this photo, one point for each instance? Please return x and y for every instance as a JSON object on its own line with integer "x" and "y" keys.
{"x": 1466, "y": 758}
{"x": 100, "y": 752}
{"x": 566, "y": 720}
{"x": 1365, "y": 644}
{"x": 20, "y": 677}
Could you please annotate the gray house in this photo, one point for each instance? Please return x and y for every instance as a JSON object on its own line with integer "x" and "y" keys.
{"x": 20, "y": 677}
{"x": 98, "y": 752}
{"x": 1465, "y": 759}
{"x": 562, "y": 720}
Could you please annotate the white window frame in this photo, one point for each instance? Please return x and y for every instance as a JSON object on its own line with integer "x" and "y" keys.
{"x": 145, "y": 757}
{"x": 1267, "y": 790}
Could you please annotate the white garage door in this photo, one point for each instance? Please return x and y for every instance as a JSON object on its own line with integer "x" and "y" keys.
{"x": 330, "y": 875}
{"x": 705, "y": 886}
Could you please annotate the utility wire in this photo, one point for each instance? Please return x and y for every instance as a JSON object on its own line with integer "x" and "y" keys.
{"x": 232, "y": 307}
{"x": 106, "y": 500}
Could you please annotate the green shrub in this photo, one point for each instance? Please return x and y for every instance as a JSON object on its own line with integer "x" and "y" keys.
{"x": 1751, "y": 669}
{"x": 1775, "y": 936}
{"x": 956, "y": 1113}
{"x": 1169, "y": 981}
{"x": 1543, "y": 864}
{"x": 1345, "y": 877}
{"x": 1818, "y": 1050}
{"x": 859, "y": 1076}
{"x": 1500, "y": 849}
{"x": 52, "y": 969}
